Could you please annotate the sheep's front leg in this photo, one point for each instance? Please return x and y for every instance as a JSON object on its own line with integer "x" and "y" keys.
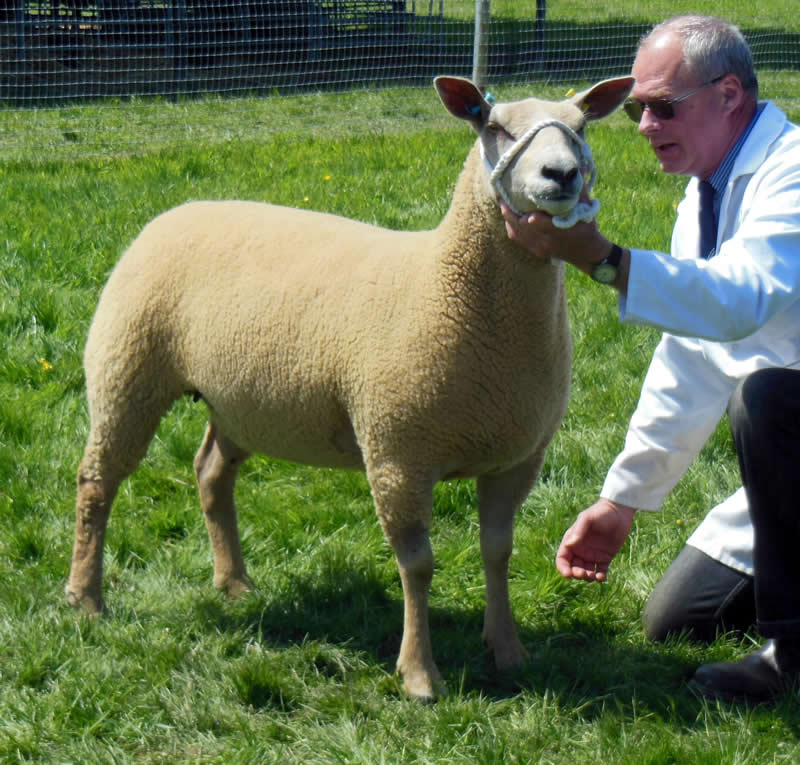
{"x": 216, "y": 465}
{"x": 421, "y": 678}
{"x": 405, "y": 516}
{"x": 499, "y": 497}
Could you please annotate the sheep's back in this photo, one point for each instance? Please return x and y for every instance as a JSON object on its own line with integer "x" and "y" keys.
{"x": 272, "y": 314}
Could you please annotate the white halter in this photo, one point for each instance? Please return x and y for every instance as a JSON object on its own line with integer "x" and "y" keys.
{"x": 583, "y": 210}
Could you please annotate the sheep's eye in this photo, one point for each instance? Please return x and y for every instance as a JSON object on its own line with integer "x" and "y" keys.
{"x": 498, "y": 129}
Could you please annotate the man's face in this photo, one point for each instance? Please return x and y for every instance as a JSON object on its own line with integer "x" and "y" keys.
{"x": 694, "y": 141}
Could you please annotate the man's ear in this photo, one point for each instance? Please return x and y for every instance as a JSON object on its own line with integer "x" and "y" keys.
{"x": 733, "y": 95}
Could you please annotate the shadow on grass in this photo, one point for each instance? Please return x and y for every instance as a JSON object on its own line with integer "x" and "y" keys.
{"x": 578, "y": 665}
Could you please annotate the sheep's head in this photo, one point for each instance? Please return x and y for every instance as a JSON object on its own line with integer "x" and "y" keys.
{"x": 534, "y": 150}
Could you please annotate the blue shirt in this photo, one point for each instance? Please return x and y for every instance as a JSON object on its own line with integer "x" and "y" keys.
{"x": 719, "y": 178}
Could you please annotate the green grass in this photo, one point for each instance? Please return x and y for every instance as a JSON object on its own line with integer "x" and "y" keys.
{"x": 302, "y": 670}
{"x": 744, "y": 15}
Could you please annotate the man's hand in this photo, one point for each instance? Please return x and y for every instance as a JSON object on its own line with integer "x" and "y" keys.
{"x": 533, "y": 231}
{"x": 582, "y": 245}
{"x": 593, "y": 540}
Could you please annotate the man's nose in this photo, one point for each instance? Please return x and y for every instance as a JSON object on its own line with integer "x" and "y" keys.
{"x": 648, "y": 123}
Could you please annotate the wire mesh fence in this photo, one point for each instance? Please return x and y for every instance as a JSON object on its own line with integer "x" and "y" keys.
{"x": 58, "y": 53}
{"x": 53, "y": 52}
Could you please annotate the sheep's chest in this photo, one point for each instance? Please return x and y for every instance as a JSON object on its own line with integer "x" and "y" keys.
{"x": 520, "y": 418}
{"x": 496, "y": 401}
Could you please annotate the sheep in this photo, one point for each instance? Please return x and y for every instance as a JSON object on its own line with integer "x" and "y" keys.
{"x": 414, "y": 356}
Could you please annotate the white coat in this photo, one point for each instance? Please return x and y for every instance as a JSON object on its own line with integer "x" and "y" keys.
{"x": 724, "y": 318}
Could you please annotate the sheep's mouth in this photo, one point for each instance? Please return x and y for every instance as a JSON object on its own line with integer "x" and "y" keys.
{"x": 562, "y": 197}
{"x": 557, "y": 204}
{"x": 555, "y": 196}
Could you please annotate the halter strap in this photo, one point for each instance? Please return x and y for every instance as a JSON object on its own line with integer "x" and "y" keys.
{"x": 582, "y": 211}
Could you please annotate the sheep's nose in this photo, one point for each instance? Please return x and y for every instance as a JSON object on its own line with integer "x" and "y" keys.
{"x": 564, "y": 178}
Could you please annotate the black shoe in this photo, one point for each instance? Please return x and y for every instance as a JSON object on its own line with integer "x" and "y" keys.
{"x": 757, "y": 678}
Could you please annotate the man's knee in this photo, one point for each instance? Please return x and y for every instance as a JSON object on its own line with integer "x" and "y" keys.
{"x": 699, "y": 596}
{"x": 762, "y": 402}
{"x": 751, "y": 398}
{"x": 668, "y": 613}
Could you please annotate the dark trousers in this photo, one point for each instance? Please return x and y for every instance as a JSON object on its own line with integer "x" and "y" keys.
{"x": 765, "y": 420}
{"x": 701, "y": 596}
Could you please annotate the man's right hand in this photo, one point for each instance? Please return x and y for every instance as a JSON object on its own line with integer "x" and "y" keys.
{"x": 590, "y": 544}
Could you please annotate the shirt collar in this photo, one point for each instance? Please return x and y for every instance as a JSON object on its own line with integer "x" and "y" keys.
{"x": 719, "y": 178}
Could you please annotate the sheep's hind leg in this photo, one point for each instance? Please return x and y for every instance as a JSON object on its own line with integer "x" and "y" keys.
{"x": 405, "y": 516}
{"x": 96, "y": 491}
{"x": 114, "y": 449}
{"x": 216, "y": 465}
{"x": 499, "y": 497}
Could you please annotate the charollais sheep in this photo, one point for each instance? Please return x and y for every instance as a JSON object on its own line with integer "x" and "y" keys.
{"x": 415, "y": 356}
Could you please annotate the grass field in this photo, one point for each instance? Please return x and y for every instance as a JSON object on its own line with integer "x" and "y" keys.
{"x": 302, "y": 670}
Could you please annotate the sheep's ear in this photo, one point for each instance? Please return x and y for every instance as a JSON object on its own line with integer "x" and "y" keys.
{"x": 601, "y": 99}
{"x": 463, "y": 99}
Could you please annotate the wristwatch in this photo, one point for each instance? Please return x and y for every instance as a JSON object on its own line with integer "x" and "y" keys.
{"x": 606, "y": 271}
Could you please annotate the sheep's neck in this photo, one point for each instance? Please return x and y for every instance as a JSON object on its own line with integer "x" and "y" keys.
{"x": 481, "y": 269}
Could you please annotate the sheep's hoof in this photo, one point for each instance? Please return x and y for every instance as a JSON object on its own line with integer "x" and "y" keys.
{"x": 92, "y": 605}
{"x": 510, "y": 656}
{"x": 421, "y": 686}
{"x": 235, "y": 588}
{"x": 508, "y": 650}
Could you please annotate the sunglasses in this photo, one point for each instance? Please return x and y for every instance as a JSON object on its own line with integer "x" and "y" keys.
{"x": 661, "y": 108}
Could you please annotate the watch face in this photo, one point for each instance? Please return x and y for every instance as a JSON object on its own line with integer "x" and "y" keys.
{"x": 604, "y": 273}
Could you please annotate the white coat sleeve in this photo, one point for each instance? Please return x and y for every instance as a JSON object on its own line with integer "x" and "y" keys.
{"x": 682, "y": 400}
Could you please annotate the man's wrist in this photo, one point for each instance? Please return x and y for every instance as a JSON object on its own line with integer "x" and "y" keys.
{"x": 606, "y": 271}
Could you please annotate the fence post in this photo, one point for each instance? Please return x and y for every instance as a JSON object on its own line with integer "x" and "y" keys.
{"x": 480, "y": 50}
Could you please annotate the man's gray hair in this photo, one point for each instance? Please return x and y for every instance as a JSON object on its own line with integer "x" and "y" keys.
{"x": 712, "y": 47}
